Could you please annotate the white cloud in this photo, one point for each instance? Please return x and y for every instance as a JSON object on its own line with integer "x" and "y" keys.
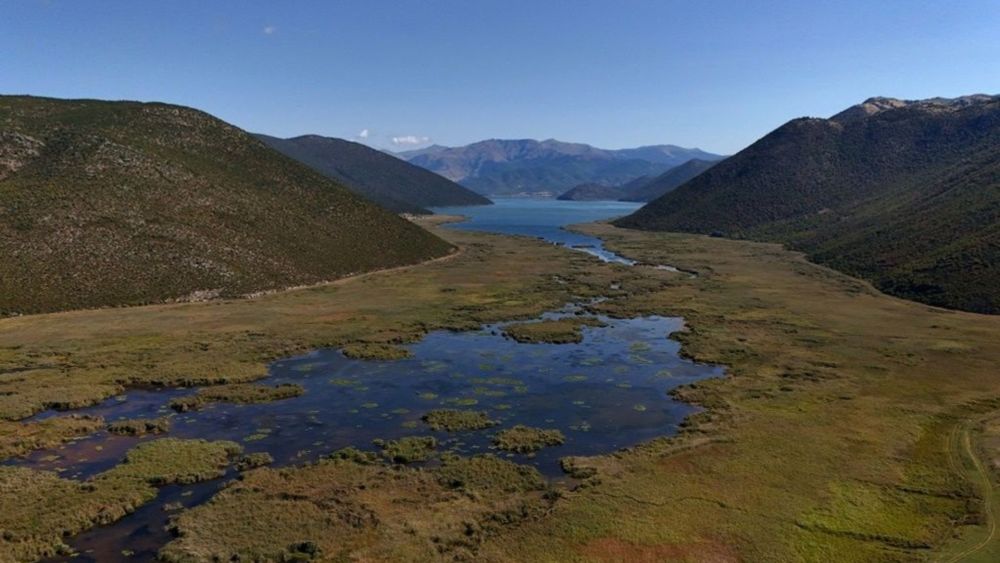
{"x": 269, "y": 29}
{"x": 410, "y": 140}
{"x": 363, "y": 134}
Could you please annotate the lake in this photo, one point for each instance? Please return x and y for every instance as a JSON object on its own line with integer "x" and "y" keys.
{"x": 544, "y": 219}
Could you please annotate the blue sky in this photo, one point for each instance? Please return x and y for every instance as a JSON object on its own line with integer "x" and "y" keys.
{"x": 712, "y": 74}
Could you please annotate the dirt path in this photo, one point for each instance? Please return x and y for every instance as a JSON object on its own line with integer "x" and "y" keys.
{"x": 959, "y": 447}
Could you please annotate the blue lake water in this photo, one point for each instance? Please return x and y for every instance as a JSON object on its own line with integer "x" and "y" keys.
{"x": 607, "y": 392}
{"x": 544, "y": 219}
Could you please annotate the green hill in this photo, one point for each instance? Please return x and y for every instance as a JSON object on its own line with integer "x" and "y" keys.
{"x": 903, "y": 193}
{"x": 591, "y": 192}
{"x": 391, "y": 182}
{"x": 119, "y": 203}
{"x": 666, "y": 182}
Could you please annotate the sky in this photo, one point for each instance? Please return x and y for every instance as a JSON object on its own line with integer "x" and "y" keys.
{"x": 405, "y": 73}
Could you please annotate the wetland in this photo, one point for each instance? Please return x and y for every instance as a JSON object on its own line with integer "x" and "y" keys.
{"x": 820, "y": 371}
{"x": 534, "y": 391}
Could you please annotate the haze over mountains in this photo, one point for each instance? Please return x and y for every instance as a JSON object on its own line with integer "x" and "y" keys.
{"x": 120, "y": 203}
{"x": 903, "y": 193}
{"x": 526, "y": 166}
{"x": 382, "y": 178}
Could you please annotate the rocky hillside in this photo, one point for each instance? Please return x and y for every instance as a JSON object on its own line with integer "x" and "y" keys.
{"x": 120, "y": 203}
{"x": 506, "y": 167}
{"x": 903, "y": 193}
{"x": 389, "y": 181}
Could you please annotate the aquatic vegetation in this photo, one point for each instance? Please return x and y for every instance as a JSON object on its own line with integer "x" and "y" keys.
{"x": 433, "y": 366}
{"x": 374, "y": 351}
{"x": 253, "y": 461}
{"x": 260, "y": 434}
{"x": 249, "y": 392}
{"x": 236, "y": 393}
{"x": 640, "y": 347}
{"x": 488, "y": 472}
{"x": 175, "y": 460}
{"x": 139, "y": 426}
{"x": 488, "y": 392}
{"x": 342, "y": 382}
{"x": 559, "y": 331}
{"x": 369, "y": 405}
{"x": 462, "y": 401}
{"x": 186, "y": 403}
{"x": 639, "y": 407}
{"x": 577, "y": 467}
{"x": 574, "y": 378}
{"x": 21, "y": 438}
{"x": 353, "y": 454}
{"x": 527, "y": 439}
{"x": 452, "y": 420}
{"x": 340, "y": 508}
{"x": 409, "y": 449}
{"x": 40, "y": 508}
{"x": 496, "y": 380}
{"x": 428, "y": 396}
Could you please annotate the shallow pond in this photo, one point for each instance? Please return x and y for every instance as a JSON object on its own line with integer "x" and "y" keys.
{"x": 607, "y": 392}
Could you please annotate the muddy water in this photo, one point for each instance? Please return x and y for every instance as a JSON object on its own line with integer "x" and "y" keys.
{"x": 607, "y": 392}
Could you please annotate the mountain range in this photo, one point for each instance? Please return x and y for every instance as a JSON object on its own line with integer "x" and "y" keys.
{"x": 121, "y": 203}
{"x": 388, "y": 181}
{"x": 903, "y": 193}
{"x": 526, "y": 166}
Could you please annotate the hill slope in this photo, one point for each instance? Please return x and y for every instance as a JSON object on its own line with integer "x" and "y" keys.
{"x": 903, "y": 193}
{"x": 392, "y": 183}
{"x": 115, "y": 203}
{"x": 668, "y": 181}
{"x": 591, "y": 192}
{"x": 505, "y": 167}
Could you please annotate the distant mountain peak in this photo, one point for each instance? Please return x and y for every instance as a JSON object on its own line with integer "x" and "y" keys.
{"x": 507, "y": 166}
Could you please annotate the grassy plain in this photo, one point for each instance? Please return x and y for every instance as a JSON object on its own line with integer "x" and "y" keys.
{"x": 831, "y": 439}
{"x": 851, "y": 426}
